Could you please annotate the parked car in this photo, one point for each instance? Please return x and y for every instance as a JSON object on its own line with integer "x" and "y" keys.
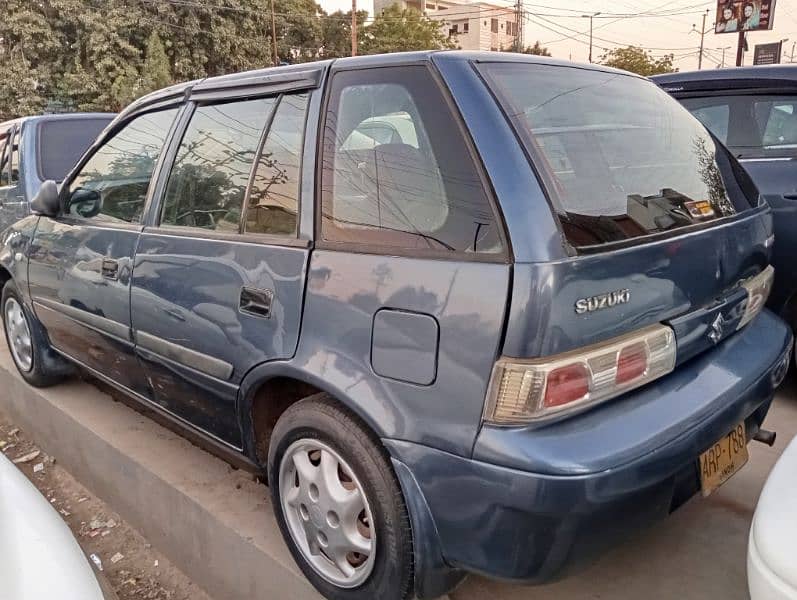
{"x": 771, "y": 564}
{"x": 497, "y": 341}
{"x": 41, "y": 558}
{"x": 35, "y": 149}
{"x": 753, "y": 111}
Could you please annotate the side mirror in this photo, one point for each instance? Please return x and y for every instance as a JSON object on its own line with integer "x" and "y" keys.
{"x": 45, "y": 202}
{"x": 86, "y": 203}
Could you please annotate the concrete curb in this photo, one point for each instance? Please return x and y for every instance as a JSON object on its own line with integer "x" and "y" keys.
{"x": 213, "y": 522}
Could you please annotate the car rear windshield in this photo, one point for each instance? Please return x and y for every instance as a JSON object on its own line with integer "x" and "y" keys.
{"x": 751, "y": 126}
{"x": 620, "y": 159}
{"x": 62, "y": 142}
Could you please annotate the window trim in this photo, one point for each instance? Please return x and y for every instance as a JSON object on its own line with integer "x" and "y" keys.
{"x": 505, "y": 256}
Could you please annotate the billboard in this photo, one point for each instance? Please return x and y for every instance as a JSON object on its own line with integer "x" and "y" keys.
{"x": 767, "y": 54}
{"x": 744, "y": 15}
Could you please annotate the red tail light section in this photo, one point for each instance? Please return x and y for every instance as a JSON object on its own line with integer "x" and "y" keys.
{"x": 523, "y": 391}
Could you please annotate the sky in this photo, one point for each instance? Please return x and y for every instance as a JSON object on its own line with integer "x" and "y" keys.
{"x": 559, "y": 25}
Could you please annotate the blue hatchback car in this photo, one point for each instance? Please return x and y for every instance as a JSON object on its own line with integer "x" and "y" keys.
{"x": 472, "y": 312}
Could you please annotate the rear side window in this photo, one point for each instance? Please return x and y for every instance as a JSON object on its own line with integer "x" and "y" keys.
{"x": 273, "y": 203}
{"x": 62, "y": 142}
{"x": 619, "y": 157}
{"x": 211, "y": 170}
{"x": 5, "y": 157}
{"x": 397, "y": 172}
{"x": 752, "y": 126}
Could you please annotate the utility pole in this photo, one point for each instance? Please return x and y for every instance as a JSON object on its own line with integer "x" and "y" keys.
{"x": 702, "y": 33}
{"x": 590, "y": 17}
{"x": 724, "y": 48}
{"x": 274, "y": 34}
{"x": 791, "y": 58}
{"x": 740, "y": 49}
{"x": 519, "y": 26}
{"x": 354, "y": 27}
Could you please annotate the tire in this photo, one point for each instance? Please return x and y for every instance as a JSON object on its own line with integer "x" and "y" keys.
{"x": 41, "y": 366}
{"x": 317, "y": 429}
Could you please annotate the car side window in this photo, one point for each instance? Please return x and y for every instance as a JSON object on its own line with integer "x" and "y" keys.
{"x": 112, "y": 185}
{"x": 273, "y": 203}
{"x": 14, "y": 152}
{"x": 211, "y": 171}
{"x": 397, "y": 171}
{"x": 5, "y": 155}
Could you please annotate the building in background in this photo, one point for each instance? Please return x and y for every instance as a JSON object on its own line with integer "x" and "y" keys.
{"x": 473, "y": 25}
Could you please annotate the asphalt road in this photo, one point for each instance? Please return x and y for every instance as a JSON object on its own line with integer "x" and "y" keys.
{"x": 699, "y": 553}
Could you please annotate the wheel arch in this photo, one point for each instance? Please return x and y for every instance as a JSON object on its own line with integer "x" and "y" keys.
{"x": 270, "y": 388}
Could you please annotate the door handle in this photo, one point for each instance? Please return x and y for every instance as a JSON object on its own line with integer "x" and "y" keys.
{"x": 257, "y": 302}
{"x": 790, "y": 196}
{"x": 110, "y": 268}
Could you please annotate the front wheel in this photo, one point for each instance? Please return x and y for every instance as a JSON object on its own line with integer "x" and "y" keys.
{"x": 38, "y": 364}
{"x": 339, "y": 505}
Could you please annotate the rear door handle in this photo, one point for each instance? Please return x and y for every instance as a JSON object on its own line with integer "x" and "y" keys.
{"x": 790, "y": 196}
{"x": 256, "y": 302}
{"x": 110, "y": 268}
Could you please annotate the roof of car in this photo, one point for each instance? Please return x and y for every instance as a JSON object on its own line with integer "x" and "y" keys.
{"x": 57, "y": 117}
{"x": 313, "y": 70}
{"x": 734, "y": 77}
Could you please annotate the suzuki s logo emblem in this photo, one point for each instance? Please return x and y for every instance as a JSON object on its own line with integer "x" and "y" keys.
{"x": 601, "y": 301}
{"x": 717, "y": 327}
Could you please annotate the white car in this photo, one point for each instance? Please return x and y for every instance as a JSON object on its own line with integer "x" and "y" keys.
{"x": 40, "y": 557}
{"x": 771, "y": 559}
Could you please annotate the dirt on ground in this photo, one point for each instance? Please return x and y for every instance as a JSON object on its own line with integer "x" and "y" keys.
{"x": 134, "y": 569}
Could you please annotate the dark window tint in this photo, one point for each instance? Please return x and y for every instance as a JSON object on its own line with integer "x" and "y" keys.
{"x": 62, "y": 142}
{"x": 210, "y": 174}
{"x": 113, "y": 183}
{"x": 621, "y": 159}
{"x": 396, "y": 169}
{"x": 751, "y": 126}
{"x": 15, "y": 156}
{"x": 273, "y": 204}
{"x": 5, "y": 157}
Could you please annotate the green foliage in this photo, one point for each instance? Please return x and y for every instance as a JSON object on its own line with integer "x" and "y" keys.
{"x": 101, "y": 54}
{"x": 537, "y": 49}
{"x": 336, "y": 33}
{"x": 400, "y": 30}
{"x": 638, "y": 60}
{"x": 155, "y": 73}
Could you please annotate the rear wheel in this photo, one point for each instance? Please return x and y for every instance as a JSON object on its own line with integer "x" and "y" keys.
{"x": 338, "y": 504}
{"x": 35, "y": 360}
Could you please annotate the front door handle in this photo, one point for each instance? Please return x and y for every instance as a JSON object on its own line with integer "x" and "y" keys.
{"x": 255, "y": 301}
{"x": 110, "y": 268}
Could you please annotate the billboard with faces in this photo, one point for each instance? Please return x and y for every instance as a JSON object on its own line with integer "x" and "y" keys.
{"x": 744, "y": 15}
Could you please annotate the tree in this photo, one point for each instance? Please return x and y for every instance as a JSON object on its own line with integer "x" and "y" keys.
{"x": 156, "y": 73}
{"x": 638, "y": 60}
{"x": 537, "y": 49}
{"x": 336, "y": 33}
{"x": 398, "y": 30}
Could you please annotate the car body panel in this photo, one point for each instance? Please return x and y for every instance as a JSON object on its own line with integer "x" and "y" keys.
{"x": 41, "y": 558}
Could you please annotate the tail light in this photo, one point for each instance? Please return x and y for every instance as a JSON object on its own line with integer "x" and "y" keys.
{"x": 522, "y": 391}
{"x": 758, "y": 289}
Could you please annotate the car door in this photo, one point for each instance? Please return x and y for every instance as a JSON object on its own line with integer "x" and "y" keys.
{"x": 81, "y": 261}
{"x": 219, "y": 276}
{"x": 11, "y": 192}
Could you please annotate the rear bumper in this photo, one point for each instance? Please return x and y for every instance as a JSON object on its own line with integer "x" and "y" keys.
{"x": 592, "y": 480}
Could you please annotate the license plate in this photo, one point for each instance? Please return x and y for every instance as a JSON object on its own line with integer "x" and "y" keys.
{"x": 719, "y": 463}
